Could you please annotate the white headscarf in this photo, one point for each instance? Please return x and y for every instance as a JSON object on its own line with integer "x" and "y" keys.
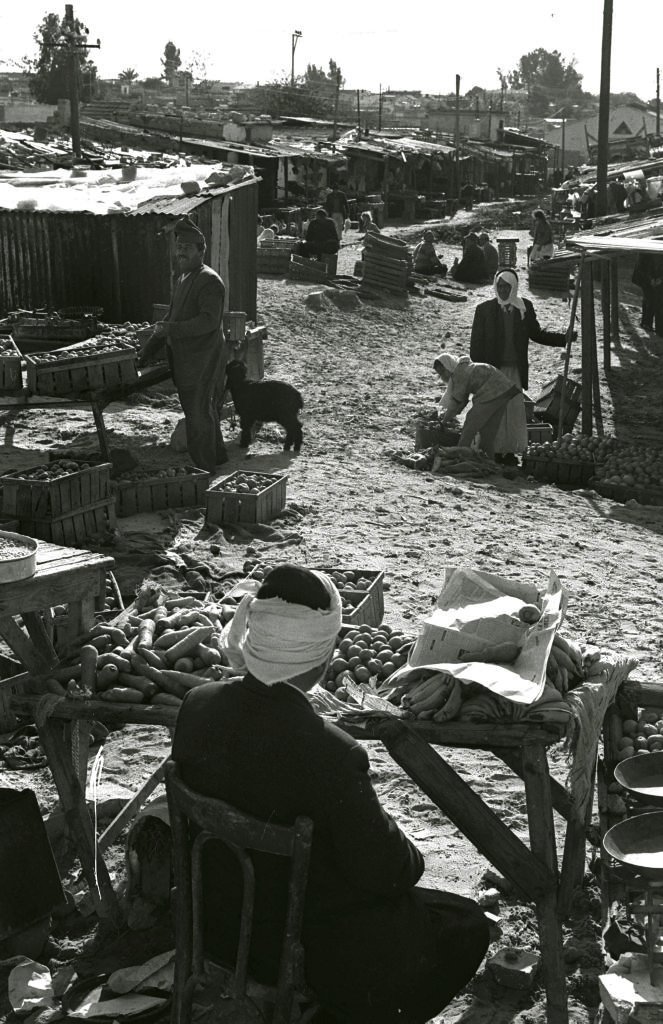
{"x": 276, "y": 640}
{"x": 448, "y": 361}
{"x": 511, "y": 277}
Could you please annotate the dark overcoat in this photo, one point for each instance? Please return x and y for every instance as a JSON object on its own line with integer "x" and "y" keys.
{"x": 487, "y": 339}
{"x": 372, "y": 948}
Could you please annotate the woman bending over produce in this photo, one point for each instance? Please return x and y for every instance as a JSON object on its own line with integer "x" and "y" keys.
{"x": 378, "y": 949}
{"x": 491, "y": 393}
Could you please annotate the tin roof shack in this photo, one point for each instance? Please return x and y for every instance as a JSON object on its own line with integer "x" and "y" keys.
{"x": 121, "y": 260}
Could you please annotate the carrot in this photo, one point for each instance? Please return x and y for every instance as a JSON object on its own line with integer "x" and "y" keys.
{"x": 181, "y": 680}
{"x": 168, "y": 699}
{"x": 121, "y": 663}
{"x": 102, "y": 642}
{"x": 89, "y": 656}
{"x": 122, "y": 695}
{"x": 157, "y": 659}
{"x": 53, "y": 686}
{"x": 146, "y": 687}
{"x": 168, "y": 637}
{"x": 146, "y": 633}
{"x": 160, "y": 616}
{"x": 208, "y": 655}
{"x": 117, "y": 635}
{"x": 184, "y": 665}
{"x": 107, "y": 677}
{"x": 183, "y": 602}
{"x": 63, "y": 673}
{"x": 188, "y": 643}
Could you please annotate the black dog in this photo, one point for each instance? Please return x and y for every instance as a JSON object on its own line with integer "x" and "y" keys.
{"x": 264, "y": 401}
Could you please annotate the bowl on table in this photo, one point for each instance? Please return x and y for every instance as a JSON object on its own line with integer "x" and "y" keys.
{"x": 637, "y": 842}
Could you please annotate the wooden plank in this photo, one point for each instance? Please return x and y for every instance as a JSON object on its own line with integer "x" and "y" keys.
{"x": 58, "y": 586}
{"x": 487, "y": 736}
{"x": 542, "y": 843}
{"x": 132, "y": 806}
{"x": 560, "y": 798}
{"x": 21, "y": 644}
{"x": 77, "y": 818}
{"x": 100, "y": 711}
{"x": 42, "y": 641}
{"x": 531, "y": 876}
{"x": 588, "y": 342}
{"x": 614, "y": 300}
{"x": 642, "y": 694}
{"x": 606, "y": 309}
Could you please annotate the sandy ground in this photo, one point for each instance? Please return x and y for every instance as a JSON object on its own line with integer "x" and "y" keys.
{"x": 364, "y": 375}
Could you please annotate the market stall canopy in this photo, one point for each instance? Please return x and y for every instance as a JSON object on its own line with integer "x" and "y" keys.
{"x": 643, "y": 233}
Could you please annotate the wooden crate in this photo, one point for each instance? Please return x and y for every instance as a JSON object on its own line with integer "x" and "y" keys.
{"x": 48, "y": 330}
{"x": 224, "y": 506}
{"x": 368, "y": 605}
{"x": 565, "y": 472}
{"x": 83, "y": 373}
{"x": 645, "y": 495}
{"x": 538, "y": 433}
{"x": 428, "y": 433}
{"x": 273, "y": 261}
{"x": 301, "y": 268}
{"x": 547, "y": 405}
{"x": 153, "y": 493}
{"x": 73, "y": 529}
{"x": 28, "y": 499}
{"x": 10, "y": 365}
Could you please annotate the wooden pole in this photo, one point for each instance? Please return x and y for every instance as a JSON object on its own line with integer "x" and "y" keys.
{"x": 457, "y": 139}
{"x": 588, "y": 340}
{"x": 604, "y": 113}
{"x": 606, "y": 309}
{"x": 658, "y": 102}
{"x": 569, "y": 342}
{"x": 614, "y": 298}
{"x": 596, "y": 384}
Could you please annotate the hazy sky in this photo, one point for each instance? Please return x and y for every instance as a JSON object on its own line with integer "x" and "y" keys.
{"x": 374, "y": 43}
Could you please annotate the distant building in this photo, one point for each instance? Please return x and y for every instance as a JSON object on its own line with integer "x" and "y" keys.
{"x": 630, "y": 126}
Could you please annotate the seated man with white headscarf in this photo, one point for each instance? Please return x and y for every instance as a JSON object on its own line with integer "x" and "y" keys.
{"x": 377, "y": 949}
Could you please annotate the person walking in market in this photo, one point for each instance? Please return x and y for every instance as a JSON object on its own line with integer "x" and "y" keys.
{"x": 502, "y": 330}
{"x": 378, "y": 949}
{"x": 195, "y": 346}
{"x": 543, "y": 247}
{"x": 492, "y": 394}
{"x": 336, "y": 205}
{"x": 648, "y": 275}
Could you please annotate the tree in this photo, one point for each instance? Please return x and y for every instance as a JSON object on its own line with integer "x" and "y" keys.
{"x": 171, "y": 61}
{"x": 548, "y": 78}
{"x": 51, "y": 72}
{"x": 128, "y": 75}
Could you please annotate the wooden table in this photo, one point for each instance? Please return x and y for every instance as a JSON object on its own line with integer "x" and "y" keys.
{"x": 77, "y": 579}
{"x": 96, "y": 401}
{"x": 533, "y": 871}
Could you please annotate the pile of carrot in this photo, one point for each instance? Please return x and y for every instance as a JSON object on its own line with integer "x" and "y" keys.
{"x": 155, "y": 656}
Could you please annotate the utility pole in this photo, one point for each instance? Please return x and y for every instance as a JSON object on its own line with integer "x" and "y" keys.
{"x": 73, "y": 43}
{"x": 336, "y": 96}
{"x": 457, "y": 138}
{"x": 604, "y": 113}
{"x": 296, "y": 35}
{"x": 563, "y": 143}
{"x": 658, "y": 102}
{"x": 490, "y": 120}
{"x": 380, "y": 108}
{"x": 358, "y": 115}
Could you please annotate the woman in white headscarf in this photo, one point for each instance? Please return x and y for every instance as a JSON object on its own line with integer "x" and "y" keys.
{"x": 492, "y": 393}
{"x": 501, "y": 332}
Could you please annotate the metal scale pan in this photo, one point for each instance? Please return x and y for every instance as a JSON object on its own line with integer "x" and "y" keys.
{"x": 637, "y": 842}
{"x": 642, "y": 775}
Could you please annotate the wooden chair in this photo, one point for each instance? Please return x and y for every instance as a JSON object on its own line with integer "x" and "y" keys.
{"x": 243, "y": 834}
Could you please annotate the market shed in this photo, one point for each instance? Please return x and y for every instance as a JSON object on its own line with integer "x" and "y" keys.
{"x": 600, "y": 254}
{"x": 121, "y": 260}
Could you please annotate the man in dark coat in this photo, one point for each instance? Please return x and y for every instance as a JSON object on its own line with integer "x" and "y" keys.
{"x": 648, "y": 275}
{"x": 377, "y": 949}
{"x": 321, "y": 236}
{"x": 195, "y": 345}
{"x": 503, "y": 328}
{"x": 336, "y": 205}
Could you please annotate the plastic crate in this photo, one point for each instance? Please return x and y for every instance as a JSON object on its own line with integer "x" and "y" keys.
{"x": 74, "y": 373}
{"x": 153, "y": 493}
{"x": 10, "y": 365}
{"x": 565, "y": 472}
{"x": 27, "y": 498}
{"x": 226, "y": 506}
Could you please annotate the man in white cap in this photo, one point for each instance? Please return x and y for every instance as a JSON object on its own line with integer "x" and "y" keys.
{"x": 377, "y": 949}
{"x": 195, "y": 346}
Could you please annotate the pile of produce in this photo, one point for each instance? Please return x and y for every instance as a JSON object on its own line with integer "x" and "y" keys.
{"x": 11, "y": 548}
{"x": 574, "y": 447}
{"x": 7, "y": 346}
{"x": 171, "y": 473}
{"x": 245, "y": 483}
{"x": 152, "y": 656}
{"x": 53, "y": 471}
{"x": 368, "y": 654}
{"x": 641, "y": 736}
{"x": 102, "y": 344}
{"x": 631, "y": 465}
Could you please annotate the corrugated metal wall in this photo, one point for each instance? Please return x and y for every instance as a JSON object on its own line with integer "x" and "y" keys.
{"x": 119, "y": 262}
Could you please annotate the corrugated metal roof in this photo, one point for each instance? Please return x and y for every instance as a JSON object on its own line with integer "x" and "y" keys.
{"x": 179, "y": 206}
{"x": 641, "y": 233}
{"x": 614, "y": 243}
